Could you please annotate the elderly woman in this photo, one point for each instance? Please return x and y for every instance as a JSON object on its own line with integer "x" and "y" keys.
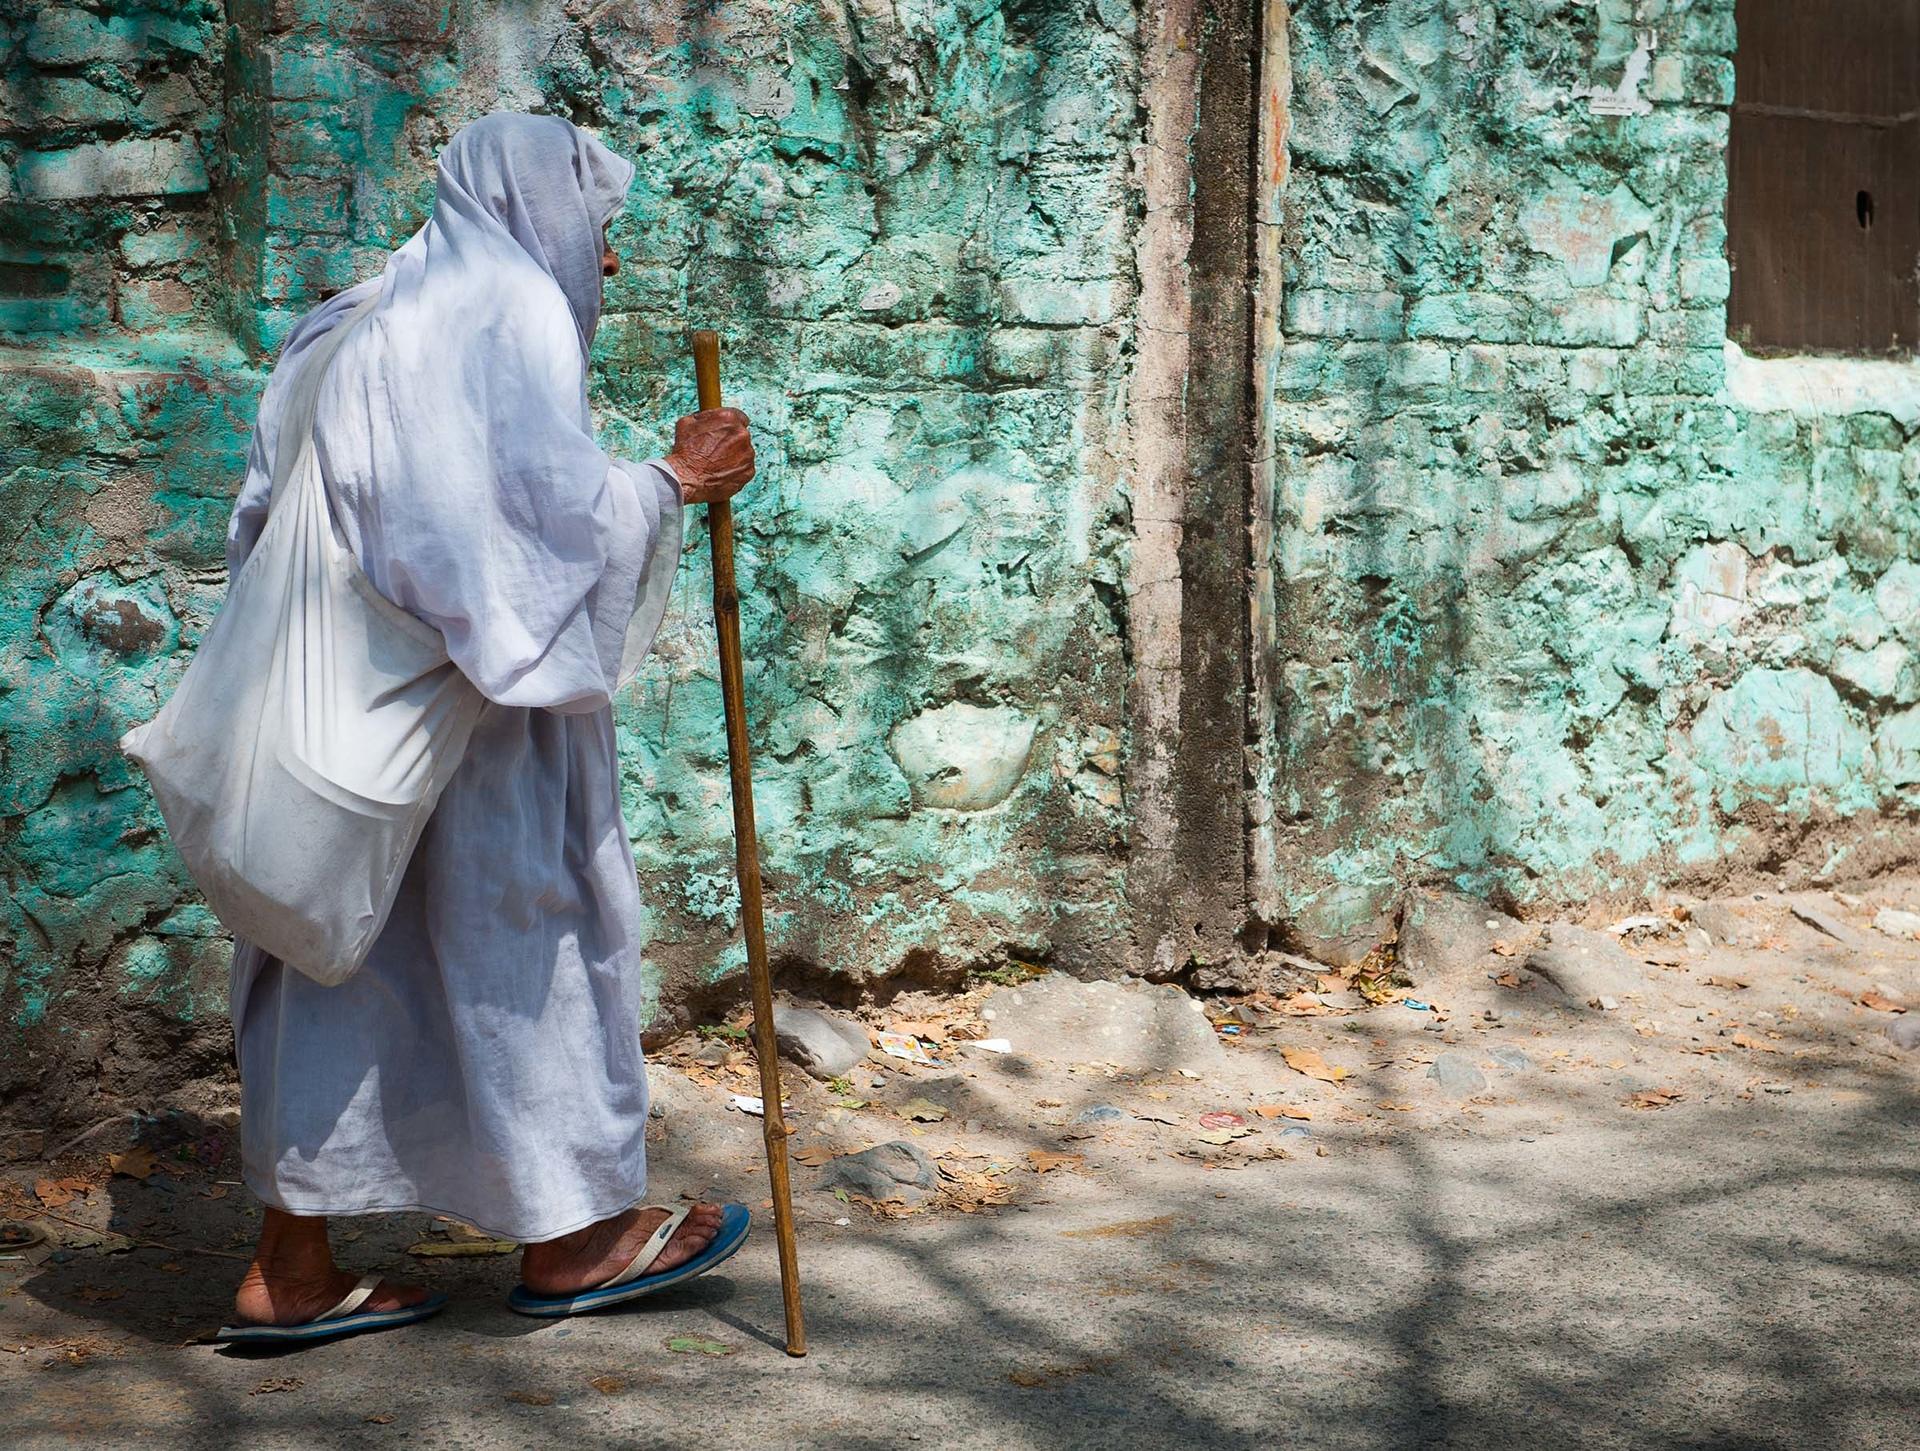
{"x": 485, "y": 1061}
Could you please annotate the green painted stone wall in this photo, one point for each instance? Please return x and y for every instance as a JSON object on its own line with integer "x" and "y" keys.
{"x": 1572, "y": 598}
{"x": 912, "y": 224}
{"x": 1556, "y": 595}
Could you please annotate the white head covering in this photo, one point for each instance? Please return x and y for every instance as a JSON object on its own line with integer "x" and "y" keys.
{"x": 453, "y": 429}
{"x": 542, "y": 183}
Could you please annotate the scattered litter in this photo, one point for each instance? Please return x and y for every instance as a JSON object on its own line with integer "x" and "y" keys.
{"x": 1282, "y": 1110}
{"x": 932, "y": 1032}
{"x": 991, "y": 1045}
{"x": 1229, "y": 1030}
{"x": 1643, "y": 923}
{"x": 905, "y": 1046}
{"x": 699, "y": 1345}
{"x": 1309, "y": 1062}
{"x": 1414, "y": 1005}
{"x": 754, "y": 1104}
{"x": 1100, "y": 1113}
{"x": 1222, "y": 1119}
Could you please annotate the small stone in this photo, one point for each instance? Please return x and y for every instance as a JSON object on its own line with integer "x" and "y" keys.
{"x": 1458, "y": 1073}
{"x": 1607, "y": 1004}
{"x": 896, "y": 1171}
{"x": 1896, "y": 923}
{"x": 1777, "y": 1087}
{"x": 1510, "y": 1058}
{"x": 1905, "y": 1031}
{"x": 1697, "y": 940}
{"x": 713, "y": 1052}
{"x": 824, "y": 1045}
{"x": 972, "y": 1126}
{"x": 1100, "y": 1113}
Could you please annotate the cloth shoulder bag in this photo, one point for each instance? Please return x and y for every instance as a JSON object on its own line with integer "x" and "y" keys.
{"x": 298, "y": 759}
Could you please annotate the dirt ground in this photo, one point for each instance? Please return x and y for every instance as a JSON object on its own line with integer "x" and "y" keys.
{"x": 1527, "y": 1186}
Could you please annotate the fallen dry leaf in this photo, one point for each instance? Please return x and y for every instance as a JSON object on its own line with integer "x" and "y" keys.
{"x": 530, "y": 1398}
{"x": 1309, "y": 1062}
{"x": 214, "y": 1191}
{"x": 1731, "y": 983}
{"x": 1045, "y": 1161}
{"x": 1506, "y": 979}
{"x": 1742, "y": 1040}
{"x": 57, "y": 1193}
{"x": 1655, "y": 1098}
{"x": 1282, "y": 1110}
{"x": 1503, "y": 947}
{"x": 278, "y": 1383}
{"x": 1879, "y": 1002}
{"x": 97, "y": 1294}
{"x": 924, "y": 1110}
{"x": 137, "y": 1163}
{"x": 1395, "y": 1107}
{"x": 385, "y": 1418}
{"x": 608, "y": 1385}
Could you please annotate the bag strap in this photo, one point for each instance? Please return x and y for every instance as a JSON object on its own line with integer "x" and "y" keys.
{"x": 296, "y": 427}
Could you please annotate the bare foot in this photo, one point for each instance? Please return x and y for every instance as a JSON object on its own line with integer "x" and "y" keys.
{"x": 593, "y": 1255}
{"x": 292, "y": 1279}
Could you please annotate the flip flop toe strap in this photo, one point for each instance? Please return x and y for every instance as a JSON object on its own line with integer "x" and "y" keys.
{"x": 353, "y": 1299}
{"x": 650, "y": 1251}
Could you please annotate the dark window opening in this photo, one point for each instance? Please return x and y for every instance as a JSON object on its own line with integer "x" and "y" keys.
{"x": 1823, "y": 176}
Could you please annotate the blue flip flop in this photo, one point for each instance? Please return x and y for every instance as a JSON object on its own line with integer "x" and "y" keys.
{"x": 346, "y": 1318}
{"x": 633, "y": 1282}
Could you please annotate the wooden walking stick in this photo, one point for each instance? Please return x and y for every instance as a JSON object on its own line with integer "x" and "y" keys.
{"x": 746, "y": 847}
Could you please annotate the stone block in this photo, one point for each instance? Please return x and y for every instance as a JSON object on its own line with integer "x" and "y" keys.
{"x": 1484, "y": 317}
{"x": 65, "y": 35}
{"x": 1058, "y": 303}
{"x": 1482, "y": 369}
{"x": 151, "y": 305}
{"x": 1320, "y": 312}
{"x": 1420, "y": 365}
{"x": 134, "y": 167}
{"x": 1585, "y": 231}
{"x": 1705, "y": 279}
{"x": 1593, "y": 371}
{"x": 1605, "y": 322}
{"x": 1896, "y": 747}
{"x": 160, "y": 247}
{"x": 55, "y": 102}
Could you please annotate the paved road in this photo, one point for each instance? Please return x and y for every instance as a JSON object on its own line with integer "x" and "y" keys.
{"x": 1739, "y": 1276}
{"x": 1547, "y": 1263}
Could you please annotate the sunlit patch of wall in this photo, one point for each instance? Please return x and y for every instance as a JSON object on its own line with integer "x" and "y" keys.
{"x": 1572, "y": 599}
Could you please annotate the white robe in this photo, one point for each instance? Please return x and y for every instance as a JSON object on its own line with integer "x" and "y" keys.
{"x": 485, "y": 1062}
